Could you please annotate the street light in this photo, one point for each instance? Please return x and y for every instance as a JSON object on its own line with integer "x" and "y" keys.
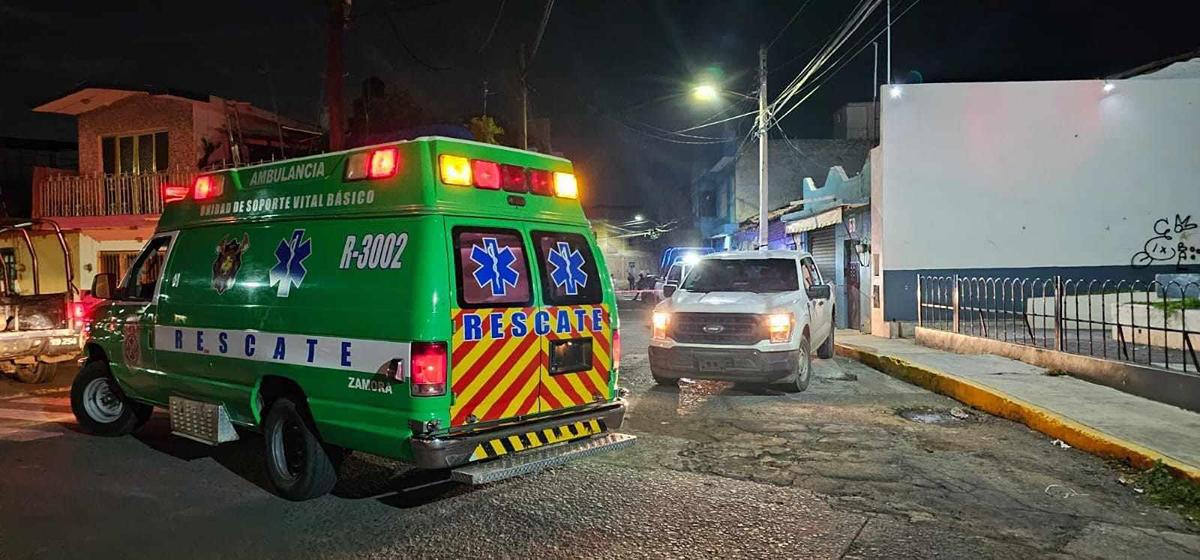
{"x": 706, "y": 92}
{"x": 639, "y": 218}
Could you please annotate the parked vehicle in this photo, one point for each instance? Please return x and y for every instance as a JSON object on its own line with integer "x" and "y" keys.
{"x": 749, "y": 316}
{"x": 40, "y": 329}
{"x": 437, "y": 301}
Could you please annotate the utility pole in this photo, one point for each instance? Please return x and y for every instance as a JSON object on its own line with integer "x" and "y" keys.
{"x": 333, "y": 73}
{"x": 889, "y": 41}
{"x": 524, "y": 103}
{"x": 485, "y": 94}
{"x": 762, "y": 147}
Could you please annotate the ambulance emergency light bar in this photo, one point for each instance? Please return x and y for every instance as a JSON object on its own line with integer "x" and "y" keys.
{"x": 483, "y": 174}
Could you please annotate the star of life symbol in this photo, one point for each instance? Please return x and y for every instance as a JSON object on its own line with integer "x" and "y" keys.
{"x": 495, "y": 266}
{"x": 289, "y": 268}
{"x": 568, "y": 271}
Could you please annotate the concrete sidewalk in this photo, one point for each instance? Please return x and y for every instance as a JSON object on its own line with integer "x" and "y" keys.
{"x": 1091, "y": 417}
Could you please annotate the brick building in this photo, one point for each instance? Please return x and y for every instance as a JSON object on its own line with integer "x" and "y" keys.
{"x": 130, "y": 142}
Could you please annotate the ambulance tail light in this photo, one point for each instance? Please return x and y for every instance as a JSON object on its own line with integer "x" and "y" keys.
{"x": 486, "y": 174}
{"x": 541, "y": 182}
{"x": 428, "y": 369}
{"x": 455, "y": 170}
{"x": 173, "y": 193}
{"x": 616, "y": 350}
{"x": 208, "y": 186}
{"x": 565, "y": 185}
{"x": 375, "y": 164}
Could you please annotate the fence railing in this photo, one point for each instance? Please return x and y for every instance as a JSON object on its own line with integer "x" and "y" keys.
{"x": 104, "y": 195}
{"x": 1150, "y": 323}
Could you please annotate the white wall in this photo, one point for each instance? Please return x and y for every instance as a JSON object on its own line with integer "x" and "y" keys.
{"x": 1035, "y": 174}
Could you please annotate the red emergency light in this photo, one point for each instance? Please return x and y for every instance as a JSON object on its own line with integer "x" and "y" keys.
{"x": 174, "y": 193}
{"x": 486, "y": 174}
{"x": 541, "y": 182}
{"x": 208, "y": 186}
{"x": 375, "y": 164}
{"x": 512, "y": 178}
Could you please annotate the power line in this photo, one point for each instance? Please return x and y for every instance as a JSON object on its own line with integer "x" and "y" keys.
{"x": 829, "y": 73}
{"x": 789, "y": 23}
{"x": 495, "y": 24}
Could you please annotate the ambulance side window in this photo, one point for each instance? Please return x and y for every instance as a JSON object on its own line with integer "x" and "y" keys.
{"x": 491, "y": 268}
{"x": 142, "y": 279}
{"x": 568, "y": 267}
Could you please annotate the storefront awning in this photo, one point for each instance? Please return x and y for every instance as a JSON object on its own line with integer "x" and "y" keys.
{"x": 822, "y": 220}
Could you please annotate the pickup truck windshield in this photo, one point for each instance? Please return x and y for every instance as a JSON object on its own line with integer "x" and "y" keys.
{"x": 743, "y": 275}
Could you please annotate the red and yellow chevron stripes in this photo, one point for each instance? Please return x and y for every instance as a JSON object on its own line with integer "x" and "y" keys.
{"x": 493, "y": 378}
{"x": 565, "y": 390}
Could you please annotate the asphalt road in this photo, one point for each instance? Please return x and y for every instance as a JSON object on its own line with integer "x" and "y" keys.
{"x": 719, "y": 471}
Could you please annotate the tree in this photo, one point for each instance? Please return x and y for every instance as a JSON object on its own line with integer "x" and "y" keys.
{"x": 485, "y": 129}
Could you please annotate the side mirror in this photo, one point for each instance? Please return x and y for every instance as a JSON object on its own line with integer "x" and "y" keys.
{"x": 102, "y": 285}
{"x": 669, "y": 289}
{"x": 820, "y": 291}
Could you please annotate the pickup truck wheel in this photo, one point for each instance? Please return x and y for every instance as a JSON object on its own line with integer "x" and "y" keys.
{"x": 99, "y": 406}
{"x": 803, "y": 367}
{"x": 34, "y": 373}
{"x": 297, "y": 463}
{"x": 826, "y": 350}
{"x": 665, "y": 381}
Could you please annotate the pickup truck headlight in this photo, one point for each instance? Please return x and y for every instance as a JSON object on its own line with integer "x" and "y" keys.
{"x": 779, "y": 325}
{"x": 660, "y": 321}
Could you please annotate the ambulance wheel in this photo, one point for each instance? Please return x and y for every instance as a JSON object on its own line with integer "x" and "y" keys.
{"x": 297, "y": 463}
{"x": 803, "y": 367}
{"x": 33, "y": 373}
{"x": 99, "y": 405}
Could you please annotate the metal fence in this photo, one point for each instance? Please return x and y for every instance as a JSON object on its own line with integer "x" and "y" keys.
{"x": 105, "y": 195}
{"x": 1149, "y": 323}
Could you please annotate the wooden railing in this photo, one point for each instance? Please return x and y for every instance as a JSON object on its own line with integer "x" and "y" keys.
{"x": 104, "y": 195}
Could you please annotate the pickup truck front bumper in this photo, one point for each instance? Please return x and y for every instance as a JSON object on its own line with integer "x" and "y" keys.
{"x": 456, "y": 450}
{"x": 724, "y": 364}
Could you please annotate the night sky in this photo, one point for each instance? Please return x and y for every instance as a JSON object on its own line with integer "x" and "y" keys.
{"x": 609, "y": 73}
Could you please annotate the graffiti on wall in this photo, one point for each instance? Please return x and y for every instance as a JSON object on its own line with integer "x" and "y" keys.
{"x": 1172, "y": 243}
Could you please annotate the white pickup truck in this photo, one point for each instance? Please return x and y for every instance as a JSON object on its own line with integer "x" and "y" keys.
{"x": 748, "y": 316}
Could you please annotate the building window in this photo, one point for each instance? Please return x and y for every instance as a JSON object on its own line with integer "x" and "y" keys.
{"x": 708, "y": 204}
{"x": 116, "y": 262}
{"x": 139, "y": 153}
{"x": 9, "y": 257}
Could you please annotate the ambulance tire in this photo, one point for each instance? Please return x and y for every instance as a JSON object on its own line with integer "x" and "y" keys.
{"x": 297, "y": 462}
{"x": 100, "y": 407}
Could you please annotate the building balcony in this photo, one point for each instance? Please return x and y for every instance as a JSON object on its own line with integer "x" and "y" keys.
{"x": 82, "y": 196}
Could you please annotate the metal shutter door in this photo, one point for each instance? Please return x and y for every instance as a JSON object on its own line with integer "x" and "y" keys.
{"x": 821, "y": 245}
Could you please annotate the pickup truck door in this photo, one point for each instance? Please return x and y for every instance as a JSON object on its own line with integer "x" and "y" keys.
{"x": 134, "y": 310}
{"x": 820, "y": 310}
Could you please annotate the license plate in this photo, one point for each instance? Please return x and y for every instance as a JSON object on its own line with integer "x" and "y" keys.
{"x": 714, "y": 364}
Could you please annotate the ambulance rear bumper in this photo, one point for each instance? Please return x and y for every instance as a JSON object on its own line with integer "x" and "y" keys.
{"x": 453, "y": 451}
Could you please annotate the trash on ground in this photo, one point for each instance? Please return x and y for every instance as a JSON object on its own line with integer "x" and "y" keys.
{"x": 960, "y": 413}
{"x": 1060, "y": 491}
{"x": 1061, "y": 443}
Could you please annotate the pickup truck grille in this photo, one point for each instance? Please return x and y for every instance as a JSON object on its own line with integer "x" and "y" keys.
{"x": 717, "y": 328}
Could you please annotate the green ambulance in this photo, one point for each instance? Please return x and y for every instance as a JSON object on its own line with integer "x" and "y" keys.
{"x": 437, "y": 301}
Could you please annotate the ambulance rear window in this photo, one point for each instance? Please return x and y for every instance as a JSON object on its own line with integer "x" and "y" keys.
{"x": 568, "y": 265}
{"x": 491, "y": 265}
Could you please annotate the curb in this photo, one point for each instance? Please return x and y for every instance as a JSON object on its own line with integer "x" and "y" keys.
{"x": 998, "y": 403}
